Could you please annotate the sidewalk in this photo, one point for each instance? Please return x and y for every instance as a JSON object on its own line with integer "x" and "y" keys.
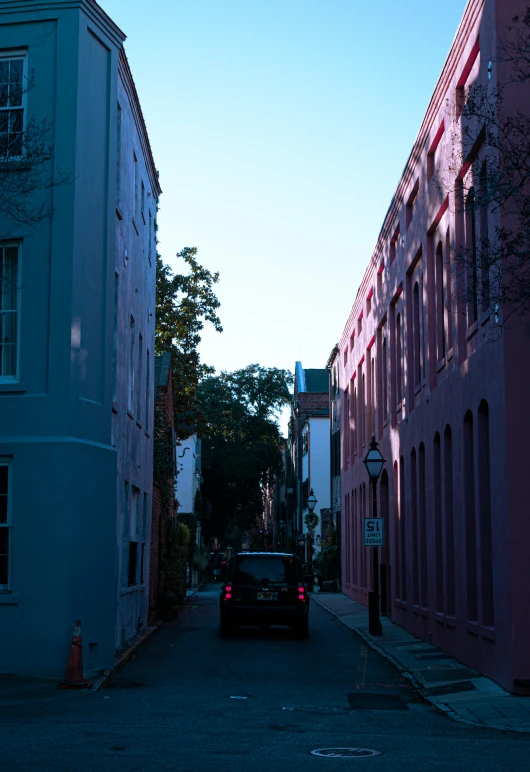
{"x": 461, "y": 693}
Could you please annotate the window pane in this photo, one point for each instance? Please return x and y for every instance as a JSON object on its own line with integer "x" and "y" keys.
{"x": 4, "y": 94}
{"x": 3, "y": 480}
{"x": 4, "y": 549}
{"x": 4, "y": 71}
{"x": 3, "y": 509}
{"x": 15, "y": 71}
{"x": 133, "y": 553}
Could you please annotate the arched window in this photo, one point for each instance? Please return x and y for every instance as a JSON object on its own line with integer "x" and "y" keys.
{"x": 422, "y": 528}
{"x": 438, "y": 533}
{"x": 470, "y": 519}
{"x": 484, "y": 501}
{"x": 449, "y": 523}
{"x": 402, "y": 529}
{"x": 414, "y": 526}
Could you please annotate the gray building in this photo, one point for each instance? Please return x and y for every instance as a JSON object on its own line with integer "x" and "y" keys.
{"x": 76, "y": 376}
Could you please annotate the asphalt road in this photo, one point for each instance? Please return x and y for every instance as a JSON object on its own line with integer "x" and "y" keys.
{"x": 258, "y": 702}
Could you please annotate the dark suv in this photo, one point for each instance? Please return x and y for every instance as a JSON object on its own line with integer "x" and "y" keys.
{"x": 264, "y": 588}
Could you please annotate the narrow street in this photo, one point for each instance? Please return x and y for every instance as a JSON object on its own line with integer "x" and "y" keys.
{"x": 260, "y": 701}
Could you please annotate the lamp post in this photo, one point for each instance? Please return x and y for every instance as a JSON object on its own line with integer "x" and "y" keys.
{"x": 374, "y": 462}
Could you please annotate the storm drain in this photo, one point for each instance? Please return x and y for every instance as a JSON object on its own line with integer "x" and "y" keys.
{"x": 346, "y": 753}
{"x": 318, "y": 710}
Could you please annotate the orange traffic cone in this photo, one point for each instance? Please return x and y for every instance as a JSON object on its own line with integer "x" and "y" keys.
{"x": 73, "y": 677}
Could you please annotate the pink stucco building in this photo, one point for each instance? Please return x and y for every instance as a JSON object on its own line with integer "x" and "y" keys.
{"x": 446, "y": 395}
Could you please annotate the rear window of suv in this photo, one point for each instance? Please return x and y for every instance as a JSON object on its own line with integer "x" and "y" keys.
{"x": 251, "y": 569}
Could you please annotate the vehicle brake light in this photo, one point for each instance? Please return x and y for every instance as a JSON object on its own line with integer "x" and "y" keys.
{"x": 228, "y": 588}
{"x": 301, "y": 589}
{"x": 301, "y": 597}
{"x": 228, "y": 596}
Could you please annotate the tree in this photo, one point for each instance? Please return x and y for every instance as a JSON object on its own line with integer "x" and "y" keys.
{"x": 241, "y": 442}
{"x": 185, "y": 302}
{"x": 27, "y": 172}
{"x": 492, "y": 270}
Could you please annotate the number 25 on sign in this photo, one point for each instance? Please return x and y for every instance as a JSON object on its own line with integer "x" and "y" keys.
{"x": 373, "y": 532}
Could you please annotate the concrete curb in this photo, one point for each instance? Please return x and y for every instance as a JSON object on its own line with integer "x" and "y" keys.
{"x": 441, "y": 706}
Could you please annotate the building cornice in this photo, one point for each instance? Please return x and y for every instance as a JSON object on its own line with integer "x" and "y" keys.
{"x": 470, "y": 20}
{"x": 130, "y": 89}
{"x": 90, "y": 7}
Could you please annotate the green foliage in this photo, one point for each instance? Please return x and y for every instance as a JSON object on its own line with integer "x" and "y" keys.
{"x": 163, "y": 466}
{"x": 327, "y": 562}
{"x": 173, "y": 569}
{"x": 185, "y": 302}
{"x": 190, "y": 522}
{"x": 241, "y": 442}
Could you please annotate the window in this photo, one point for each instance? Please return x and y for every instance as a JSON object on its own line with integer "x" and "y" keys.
{"x": 150, "y": 245}
{"x": 385, "y": 381}
{"x": 136, "y": 181}
{"x": 147, "y": 392}
{"x": 8, "y": 311}
{"x": 484, "y": 239}
{"x": 394, "y": 244}
{"x": 118, "y": 154}
{"x": 139, "y": 379}
{"x": 143, "y": 553}
{"x": 134, "y": 532}
{"x": 470, "y": 519}
{"x": 125, "y": 538}
{"x": 417, "y": 335}
{"x": 440, "y": 302}
{"x": 11, "y": 106}
{"x": 411, "y": 203}
{"x": 360, "y": 323}
{"x": 115, "y": 340}
{"x": 471, "y": 259}
{"x": 352, "y": 340}
{"x": 130, "y": 394}
{"x": 5, "y": 523}
{"x": 345, "y": 357}
{"x": 399, "y": 368}
{"x": 133, "y": 559}
{"x": 431, "y": 153}
{"x": 369, "y": 301}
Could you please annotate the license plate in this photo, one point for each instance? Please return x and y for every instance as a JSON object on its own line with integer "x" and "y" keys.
{"x": 267, "y": 595}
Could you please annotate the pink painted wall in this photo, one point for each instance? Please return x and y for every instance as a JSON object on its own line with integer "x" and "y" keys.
{"x": 445, "y": 395}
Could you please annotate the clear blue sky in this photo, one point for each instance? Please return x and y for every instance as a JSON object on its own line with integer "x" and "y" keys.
{"x": 280, "y": 129}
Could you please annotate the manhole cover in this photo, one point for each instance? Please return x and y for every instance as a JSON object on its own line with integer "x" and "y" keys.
{"x": 367, "y": 701}
{"x": 345, "y": 753}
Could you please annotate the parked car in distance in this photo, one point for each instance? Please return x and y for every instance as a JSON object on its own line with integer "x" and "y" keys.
{"x": 263, "y": 589}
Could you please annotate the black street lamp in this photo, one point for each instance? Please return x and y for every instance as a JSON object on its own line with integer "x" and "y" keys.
{"x": 374, "y": 462}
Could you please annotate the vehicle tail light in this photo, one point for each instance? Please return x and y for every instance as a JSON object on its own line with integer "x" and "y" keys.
{"x": 301, "y": 597}
{"x": 228, "y": 595}
{"x": 228, "y": 588}
{"x": 301, "y": 589}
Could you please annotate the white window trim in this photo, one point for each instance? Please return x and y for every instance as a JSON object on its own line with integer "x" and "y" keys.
{"x": 20, "y": 54}
{"x": 8, "y": 463}
{"x": 4, "y": 245}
